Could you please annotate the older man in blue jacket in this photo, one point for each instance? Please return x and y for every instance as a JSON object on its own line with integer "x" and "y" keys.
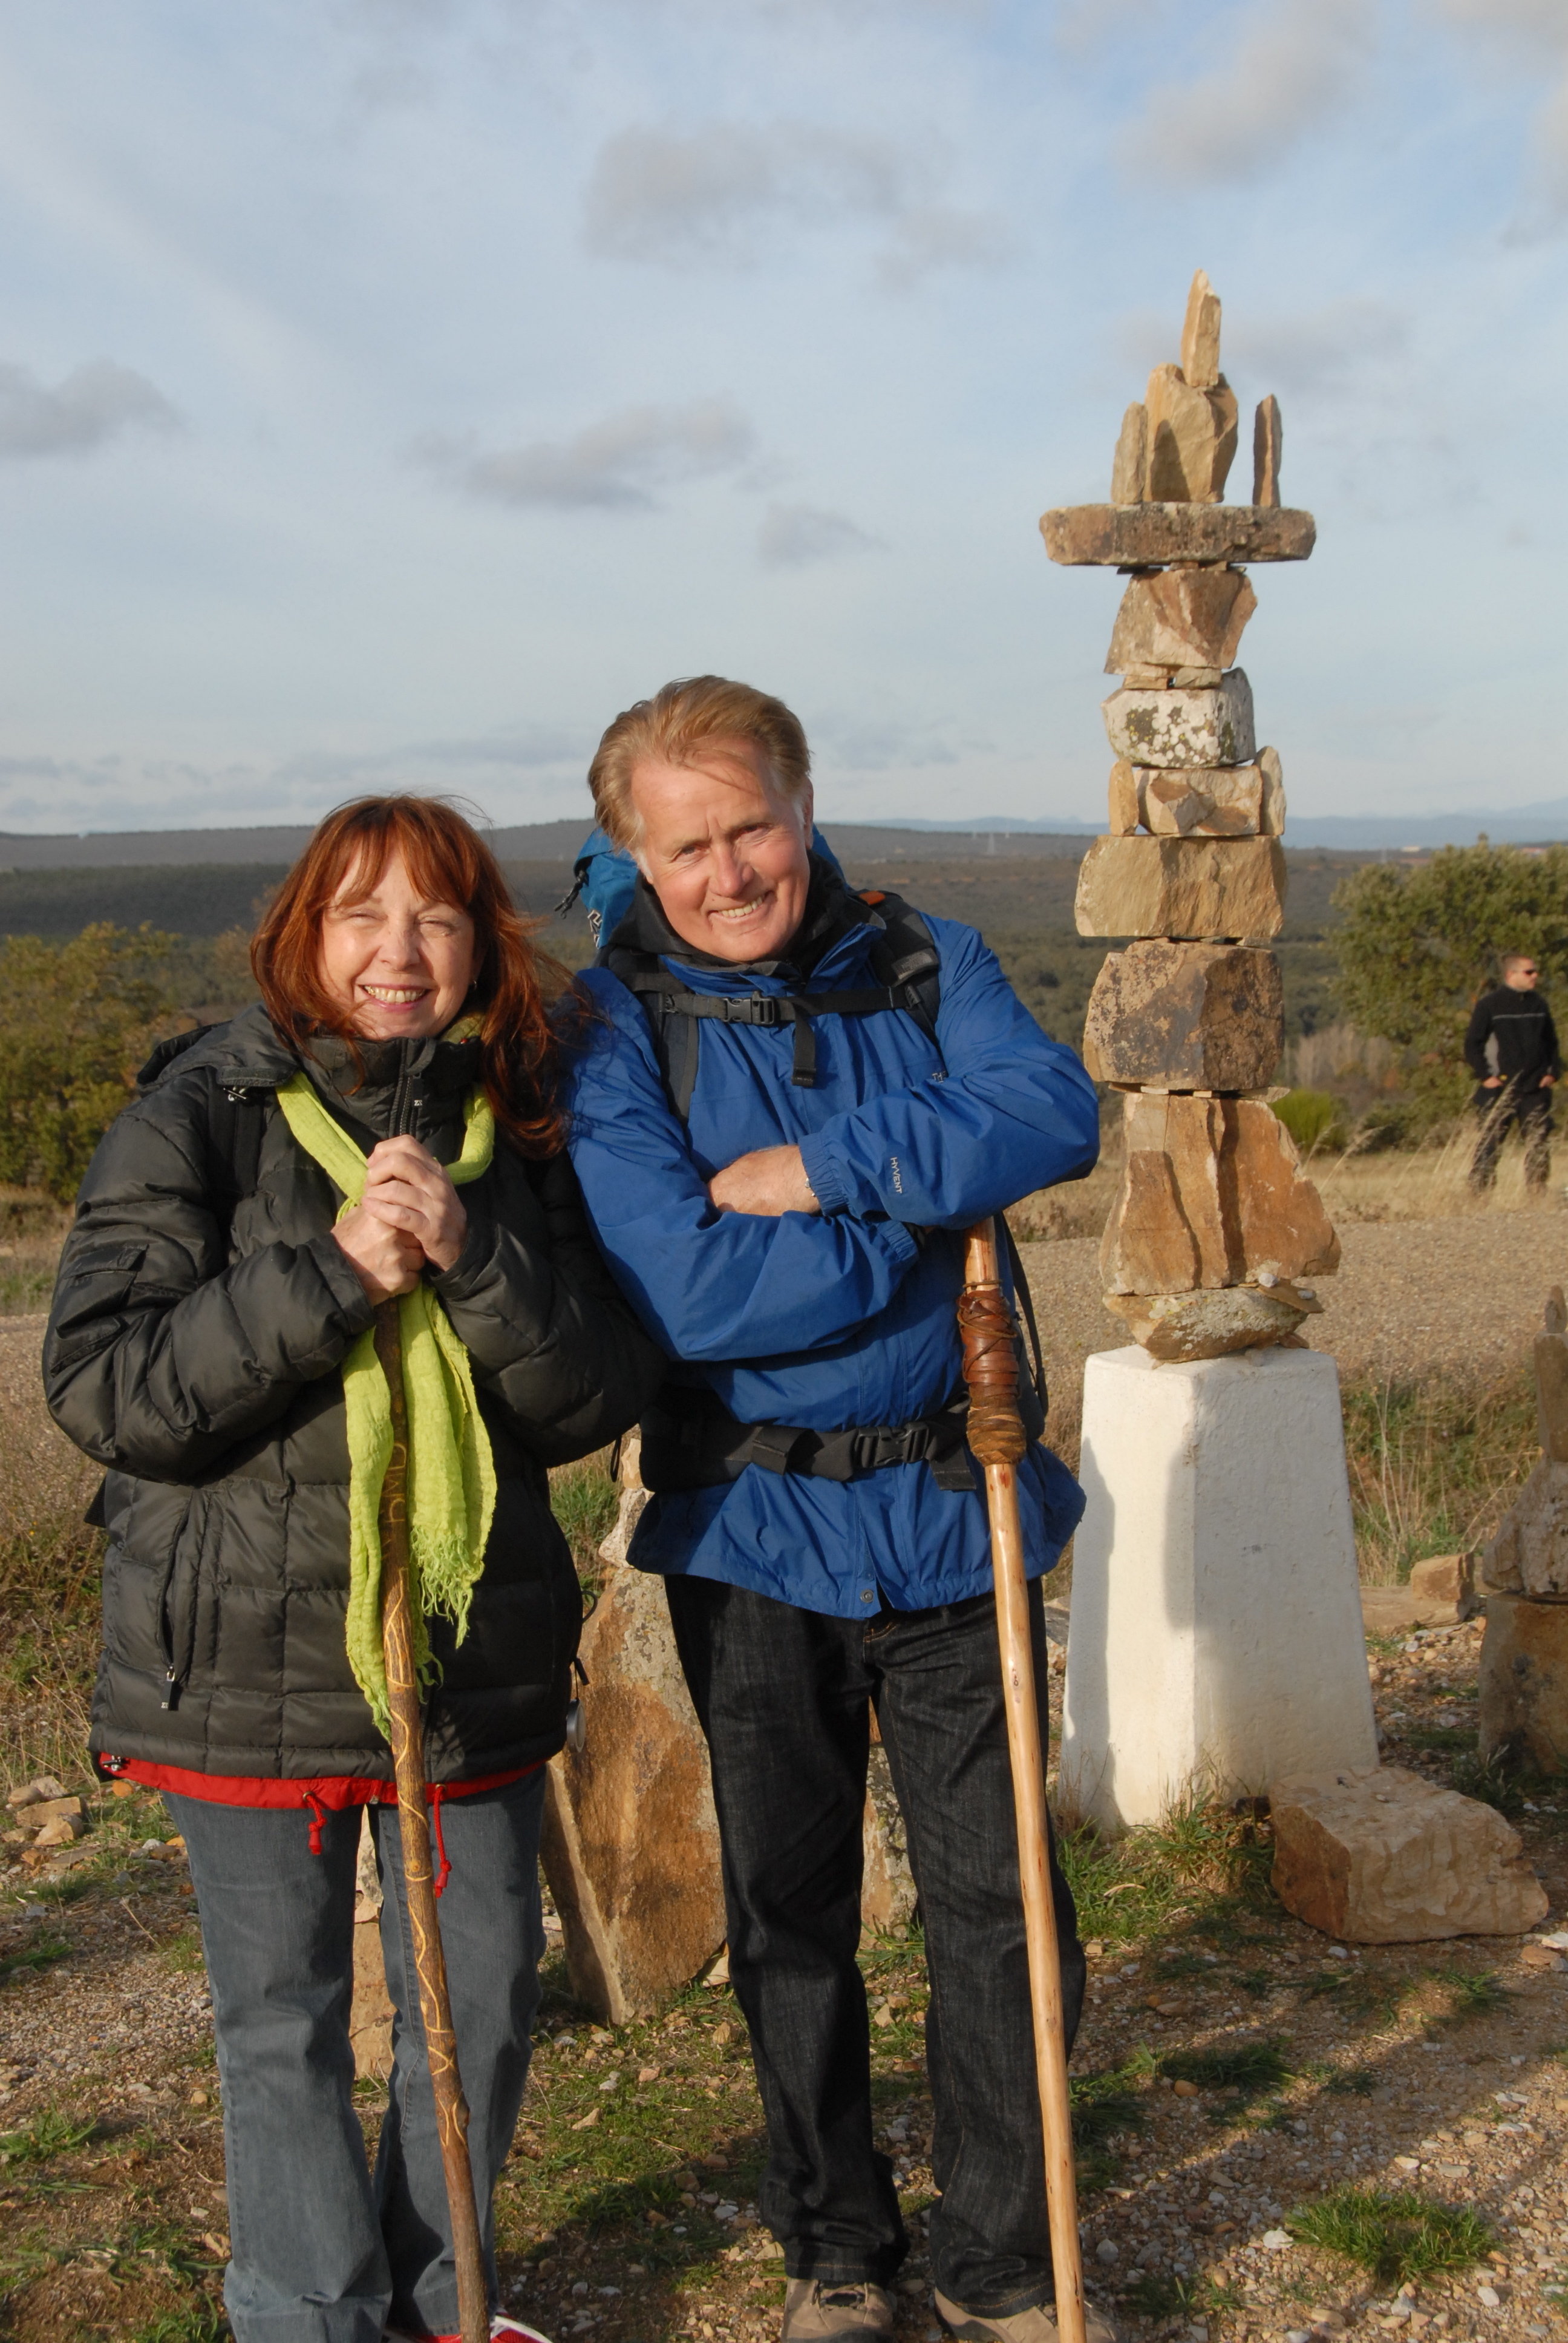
{"x": 790, "y": 1103}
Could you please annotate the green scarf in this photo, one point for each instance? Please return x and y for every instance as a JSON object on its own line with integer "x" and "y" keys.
{"x": 451, "y": 1475}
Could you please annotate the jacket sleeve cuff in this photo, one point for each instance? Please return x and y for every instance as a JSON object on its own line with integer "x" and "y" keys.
{"x": 827, "y": 1180}
{"x": 342, "y": 1281}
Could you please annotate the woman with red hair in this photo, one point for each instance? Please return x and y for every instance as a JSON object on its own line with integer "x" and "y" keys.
{"x": 385, "y": 1123}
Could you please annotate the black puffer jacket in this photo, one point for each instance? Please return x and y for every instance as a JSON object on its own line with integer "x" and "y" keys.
{"x": 200, "y": 1318}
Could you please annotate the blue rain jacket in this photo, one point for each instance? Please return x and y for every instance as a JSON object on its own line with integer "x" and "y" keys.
{"x": 845, "y": 1318}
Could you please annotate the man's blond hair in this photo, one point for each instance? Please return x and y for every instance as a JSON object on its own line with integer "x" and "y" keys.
{"x": 693, "y": 713}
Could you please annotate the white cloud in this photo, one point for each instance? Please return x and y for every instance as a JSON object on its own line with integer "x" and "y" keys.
{"x": 790, "y": 536}
{"x": 614, "y": 465}
{"x": 1322, "y": 349}
{"x": 1537, "y": 27}
{"x": 1289, "y": 72}
{"x": 712, "y": 194}
{"x": 92, "y": 404}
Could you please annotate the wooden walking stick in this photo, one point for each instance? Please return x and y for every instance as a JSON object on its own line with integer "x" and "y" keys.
{"x": 413, "y": 1826}
{"x": 997, "y": 1440}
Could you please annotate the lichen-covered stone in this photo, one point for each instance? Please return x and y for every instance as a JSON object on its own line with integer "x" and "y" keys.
{"x": 1184, "y": 728}
{"x": 1181, "y": 618}
{"x": 1186, "y": 1016}
{"x": 1176, "y": 1329}
{"x": 1199, "y": 887}
{"x": 1148, "y": 536}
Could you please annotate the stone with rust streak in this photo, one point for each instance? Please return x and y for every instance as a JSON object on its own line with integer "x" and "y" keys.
{"x": 1188, "y": 1017}
{"x": 1130, "y": 465}
{"x": 1148, "y": 535}
{"x": 1376, "y": 1855}
{"x": 1191, "y": 439}
{"x": 630, "y": 1844}
{"x": 1209, "y": 801}
{"x": 1186, "y": 618}
{"x": 1177, "y": 1328}
{"x": 1268, "y": 441}
{"x": 1183, "y": 728}
{"x": 1197, "y": 887}
{"x": 1212, "y": 1194}
{"x": 1523, "y": 1709}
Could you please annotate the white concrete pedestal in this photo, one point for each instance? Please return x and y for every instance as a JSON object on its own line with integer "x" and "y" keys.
{"x": 1216, "y": 1634}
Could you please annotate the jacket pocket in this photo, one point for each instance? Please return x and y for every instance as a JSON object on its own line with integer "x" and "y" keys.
{"x": 181, "y": 1591}
{"x": 96, "y": 1288}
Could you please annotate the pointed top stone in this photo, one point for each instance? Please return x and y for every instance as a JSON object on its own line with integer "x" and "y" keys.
{"x": 1556, "y": 1311}
{"x": 1200, "y": 335}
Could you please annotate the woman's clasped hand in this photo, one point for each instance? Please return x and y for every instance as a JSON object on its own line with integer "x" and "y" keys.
{"x": 410, "y": 1218}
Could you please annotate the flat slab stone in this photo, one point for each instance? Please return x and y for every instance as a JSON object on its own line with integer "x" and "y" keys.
{"x": 1215, "y": 1322}
{"x": 1524, "y": 1712}
{"x": 1150, "y": 536}
{"x": 1376, "y": 1855}
{"x": 1216, "y": 1549}
{"x": 1200, "y": 888}
{"x": 1188, "y": 1017}
{"x": 1206, "y": 727}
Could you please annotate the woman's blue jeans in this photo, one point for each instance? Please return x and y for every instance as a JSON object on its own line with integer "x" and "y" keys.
{"x": 323, "y": 2250}
{"x": 783, "y": 1696}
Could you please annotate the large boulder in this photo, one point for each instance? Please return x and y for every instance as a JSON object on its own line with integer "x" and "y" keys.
{"x": 1381, "y": 1856}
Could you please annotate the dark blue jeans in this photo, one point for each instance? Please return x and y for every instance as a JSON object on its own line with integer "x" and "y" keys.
{"x": 782, "y": 1695}
{"x": 322, "y": 2251}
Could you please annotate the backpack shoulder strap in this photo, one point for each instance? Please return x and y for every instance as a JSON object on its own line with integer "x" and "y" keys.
{"x": 905, "y": 953}
{"x": 676, "y": 1042}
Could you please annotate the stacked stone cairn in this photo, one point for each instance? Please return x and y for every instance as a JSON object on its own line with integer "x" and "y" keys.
{"x": 1215, "y": 1234}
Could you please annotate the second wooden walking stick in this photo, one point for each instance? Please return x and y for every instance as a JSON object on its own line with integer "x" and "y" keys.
{"x": 998, "y": 1440}
{"x": 413, "y": 1826}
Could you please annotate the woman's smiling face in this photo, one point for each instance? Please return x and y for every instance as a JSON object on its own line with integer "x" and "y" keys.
{"x": 396, "y": 966}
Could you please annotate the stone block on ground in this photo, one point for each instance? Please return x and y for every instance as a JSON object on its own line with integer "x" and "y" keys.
{"x": 630, "y": 1845}
{"x": 1199, "y": 888}
{"x": 1176, "y": 618}
{"x": 1524, "y": 1712}
{"x": 1377, "y": 1856}
{"x": 1187, "y": 1017}
{"x": 1192, "y": 438}
{"x": 1215, "y": 1323}
{"x": 1528, "y": 1554}
{"x": 1211, "y": 727}
{"x": 1148, "y": 535}
{"x": 1448, "y": 1578}
{"x": 1202, "y": 801}
{"x": 1130, "y": 465}
{"x": 1211, "y": 1195}
{"x": 1216, "y": 1548}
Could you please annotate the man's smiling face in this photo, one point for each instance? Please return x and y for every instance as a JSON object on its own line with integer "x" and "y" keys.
{"x": 724, "y": 850}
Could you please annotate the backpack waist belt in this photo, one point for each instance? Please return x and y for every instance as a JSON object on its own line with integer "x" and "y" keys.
{"x": 701, "y": 1445}
{"x": 775, "y": 1008}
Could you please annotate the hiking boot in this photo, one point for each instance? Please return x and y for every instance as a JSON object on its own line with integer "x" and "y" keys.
{"x": 1035, "y": 2324}
{"x": 818, "y": 2307}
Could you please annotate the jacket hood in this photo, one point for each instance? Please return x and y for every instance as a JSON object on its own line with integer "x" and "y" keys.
{"x": 831, "y": 913}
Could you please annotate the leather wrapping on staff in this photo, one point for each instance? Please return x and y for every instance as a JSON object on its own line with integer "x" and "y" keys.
{"x": 996, "y": 1433}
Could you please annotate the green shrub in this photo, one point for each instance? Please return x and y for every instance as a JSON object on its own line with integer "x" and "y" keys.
{"x": 1313, "y": 1118}
{"x": 77, "y": 1020}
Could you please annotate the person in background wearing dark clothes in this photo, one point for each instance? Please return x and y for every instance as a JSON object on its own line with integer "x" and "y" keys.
{"x": 1511, "y": 1048}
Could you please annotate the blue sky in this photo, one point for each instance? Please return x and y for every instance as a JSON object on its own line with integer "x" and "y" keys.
{"x": 391, "y": 390}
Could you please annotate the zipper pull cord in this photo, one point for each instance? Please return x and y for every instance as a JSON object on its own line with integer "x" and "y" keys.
{"x": 317, "y": 1819}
